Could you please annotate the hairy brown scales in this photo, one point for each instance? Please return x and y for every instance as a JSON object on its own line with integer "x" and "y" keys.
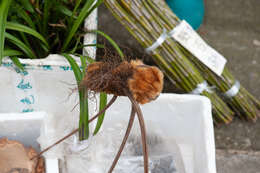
{"x": 144, "y": 82}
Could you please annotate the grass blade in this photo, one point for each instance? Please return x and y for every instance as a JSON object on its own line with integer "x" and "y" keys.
{"x": 77, "y": 23}
{"x": 86, "y": 10}
{"x": 102, "y": 101}
{"x": 76, "y": 7}
{"x": 102, "y": 105}
{"x": 76, "y": 46}
{"x": 11, "y": 52}
{"x": 75, "y": 67}
{"x": 17, "y": 63}
{"x": 83, "y": 122}
{"x": 25, "y": 40}
{"x": 89, "y": 59}
{"x": 64, "y": 10}
{"x": 83, "y": 64}
{"x": 27, "y": 5}
{"x": 74, "y": 13}
{"x": 21, "y": 12}
{"x": 46, "y": 15}
{"x": 25, "y": 29}
{"x": 112, "y": 42}
{"x": 4, "y": 7}
{"x": 27, "y": 50}
{"x": 84, "y": 114}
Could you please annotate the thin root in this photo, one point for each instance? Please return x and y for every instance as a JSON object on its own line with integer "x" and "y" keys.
{"x": 128, "y": 130}
{"x": 74, "y": 107}
{"x": 143, "y": 131}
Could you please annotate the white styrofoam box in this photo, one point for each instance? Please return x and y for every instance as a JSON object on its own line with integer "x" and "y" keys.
{"x": 185, "y": 118}
{"x": 46, "y": 84}
{"x": 25, "y": 128}
{"x": 40, "y": 88}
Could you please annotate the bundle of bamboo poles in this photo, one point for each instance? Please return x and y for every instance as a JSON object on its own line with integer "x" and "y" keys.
{"x": 243, "y": 103}
{"x": 146, "y": 20}
{"x": 169, "y": 57}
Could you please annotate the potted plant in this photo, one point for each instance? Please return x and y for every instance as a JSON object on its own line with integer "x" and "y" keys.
{"x": 34, "y": 37}
{"x": 35, "y": 29}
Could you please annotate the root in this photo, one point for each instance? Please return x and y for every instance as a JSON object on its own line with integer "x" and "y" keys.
{"x": 128, "y": 130}
{"x": 143, "y": 132}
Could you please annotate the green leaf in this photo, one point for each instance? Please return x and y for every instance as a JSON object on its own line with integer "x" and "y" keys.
{"x": 4, "y": 7}
{"x": 21, "y": 12}
{"x": 17, "y": 62}
{"x": 83, "y": 101}
{"x": 27, "y": 50}
{"x": 64, "y": 10}
{"x": 11, "y": 52}
{"x": 25, "y": 29}
{"x": 84, "y": 116}
{"x": 102, "y": 105}
{"x": 83, "y": 64}
{"x": 37, "y": 20}
{"x": 46, "y": 13}
{"x": 89, "y": 59}
{"x": 85, "y": 11}
{"x": 74, "y": 13}
{"x": 75, "y": 67}
{"x": 112, "y": 42}
{"x": 27, "y": 5}
{"x": 76, "y": 7}
{"x": 25, "y": 40}
{"x": 76, "y": 46}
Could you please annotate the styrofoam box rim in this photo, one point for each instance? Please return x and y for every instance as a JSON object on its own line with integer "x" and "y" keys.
{"x": 204, "y": 121}
{"x": 51, "y": 59}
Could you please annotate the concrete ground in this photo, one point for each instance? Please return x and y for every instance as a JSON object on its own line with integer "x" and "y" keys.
{"x": 233, "y": 28}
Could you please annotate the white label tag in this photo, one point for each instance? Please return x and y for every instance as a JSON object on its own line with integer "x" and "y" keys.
{"x": 188, "y": 38}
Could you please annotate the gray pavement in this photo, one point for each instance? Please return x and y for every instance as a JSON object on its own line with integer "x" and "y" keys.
{"x": 233, "y": 28}
{"x": 238, "y": 161}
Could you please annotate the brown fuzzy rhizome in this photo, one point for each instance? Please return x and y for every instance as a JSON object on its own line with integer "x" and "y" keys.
{"x": 144, "y": 82}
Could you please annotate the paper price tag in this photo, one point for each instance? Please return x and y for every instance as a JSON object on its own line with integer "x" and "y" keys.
{"x": 188, "y": 38}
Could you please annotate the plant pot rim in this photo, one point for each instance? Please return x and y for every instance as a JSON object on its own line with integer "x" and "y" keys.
{"x": 50, "y": 60}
